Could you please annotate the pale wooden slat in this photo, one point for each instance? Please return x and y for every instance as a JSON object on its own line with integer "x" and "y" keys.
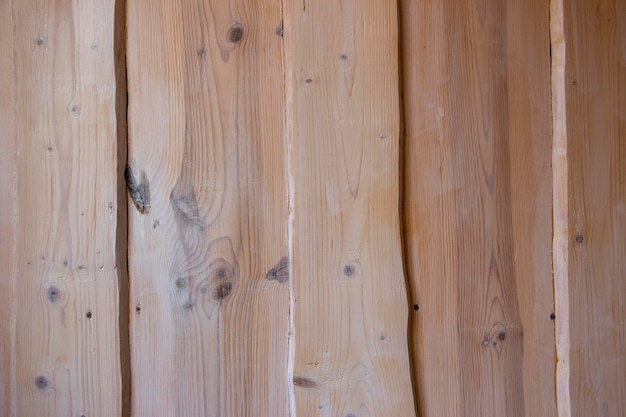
{"x": 7, "y": 202}
{"x": 595, "y": 93}
{"x": 350, "y": 305}
{"x": 477, "y": 206}
{"x": 207, "y": 243}
{"x": 66, "y": 350}
{"x": 560, "y": 231}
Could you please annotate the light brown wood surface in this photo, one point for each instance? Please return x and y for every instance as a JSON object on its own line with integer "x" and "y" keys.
{"x": 7, "y": 202}
{"x": 207, "y": 246}
{"x": 477, "y": 206}
{"x": 595, "y": 93}
{"x": 560, "y": 229}
{"x": 350, "y": 304}
{"x": 65, "y": 352}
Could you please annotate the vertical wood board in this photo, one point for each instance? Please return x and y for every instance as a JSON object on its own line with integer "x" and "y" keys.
{"x": 349, "y": 298}
{"x": 207, "y": 227}
{"x": 477, "y": 206}
{"x": 7, "y": 202}
{"x": 66, "y": 342}
{"x": 595, "y": 94}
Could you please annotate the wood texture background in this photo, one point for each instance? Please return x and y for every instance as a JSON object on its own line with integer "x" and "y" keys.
{"x": 350, "y": 209}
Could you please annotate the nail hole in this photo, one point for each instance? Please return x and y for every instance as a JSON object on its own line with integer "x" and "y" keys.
{"x": 89, "y": 315}
{"x": 416, "y": 307}
{"x": 552, "y": 316}
{"x": 308, "y": 80}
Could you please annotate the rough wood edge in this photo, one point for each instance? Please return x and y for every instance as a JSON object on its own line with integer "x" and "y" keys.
{"x": 560, "y": 208}
{"x": 288, "y": 143}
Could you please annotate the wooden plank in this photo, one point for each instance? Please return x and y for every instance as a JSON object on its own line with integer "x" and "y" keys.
{"x": 477, "y": 206}
{"x": 66, "y": 342}
{"x": 595, "y": 93}
{"x": 207, "y": 232}
{"x": 560, "y": 240}
{"x": 350, "y": 307}
{"x": 7, "y": 202}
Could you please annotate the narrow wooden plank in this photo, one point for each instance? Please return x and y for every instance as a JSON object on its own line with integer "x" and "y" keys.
{"x": 595, "y": 92}
{"x": 207, "y": 231}
{"x": 7, "y": 201}
{"x": 560, "y": 240}
{"x": 477, "y": 206}
{"x": 350, "y": 305}
{"x": 66, "y": 349}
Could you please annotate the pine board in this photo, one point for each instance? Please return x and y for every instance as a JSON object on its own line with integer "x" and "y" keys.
{"x": 66, "y": 339}
{"x": 7, "y": 202}
{"x": 477, "y": 206}
{"x": 595, "y": 109}
{"x": 350, "y": 312}
{"x": 207, "y": 227}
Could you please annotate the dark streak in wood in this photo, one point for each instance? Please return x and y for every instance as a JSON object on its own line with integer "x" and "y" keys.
{"x": 304, "y": 382}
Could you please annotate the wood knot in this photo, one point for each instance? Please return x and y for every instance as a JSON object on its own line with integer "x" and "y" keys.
{"x": 41, "y": 382}
{"x": 223, "y": 290}
{"x": 139, "y": 193}
{"x": 496, "y": 338}
{"x": 53, "y": 294}
{"x": 280, "y": 271}
{"x": 235, "y": 33}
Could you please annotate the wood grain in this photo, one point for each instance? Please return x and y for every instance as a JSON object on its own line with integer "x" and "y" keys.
{"x": 7, "y": 202}
{"x": 207, "y": 229}
{"x": 560, "y": 231}
{"x": 595, "y": 93}
{"x": 66, "y": 341}
{"x": 350, "y": 305}
{"x": 477, "y": 206}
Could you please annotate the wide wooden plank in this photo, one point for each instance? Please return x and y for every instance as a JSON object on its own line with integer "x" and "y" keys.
{"x": 66, "y": 341}
{"x": 7, "y": 201}
{"x": 477, "y": 206}
{"x": 207, "y": 228}
{"x": 350, "y": 307}
{"x": 595, "y": 106}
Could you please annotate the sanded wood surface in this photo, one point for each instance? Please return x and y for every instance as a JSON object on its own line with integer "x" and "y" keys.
{"x": 65, "y": 354}
{"x": 7, "y": 202}
{"x": 207, "y": 227}
{"x": 477, "y": 206}
{"x": 595, "y": 95}
{"x": 350, "y": 305}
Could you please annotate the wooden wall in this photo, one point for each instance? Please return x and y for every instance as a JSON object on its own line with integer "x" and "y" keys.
{"x": 353, "y": 209}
